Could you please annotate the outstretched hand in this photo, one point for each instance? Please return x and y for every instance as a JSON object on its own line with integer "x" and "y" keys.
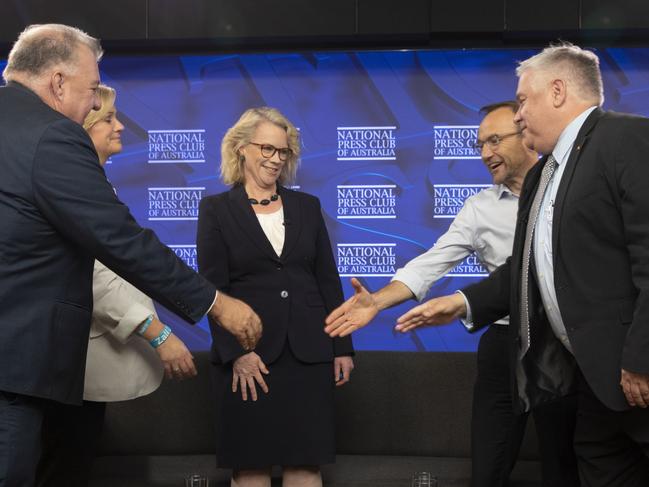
{"x": 353, "y": 314}
{"x": 437, "y": 311}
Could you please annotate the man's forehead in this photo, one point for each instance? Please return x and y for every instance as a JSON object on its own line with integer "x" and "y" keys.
{"x": 499, "y": 121}
{"x": 524, "y": 82}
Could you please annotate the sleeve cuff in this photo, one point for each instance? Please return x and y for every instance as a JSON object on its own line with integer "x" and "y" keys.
{"x": 467, "y": 322}
{"x": 216, "y": 295}
{"x": 133, "y": 318}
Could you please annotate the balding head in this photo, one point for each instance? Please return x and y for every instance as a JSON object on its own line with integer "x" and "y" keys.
{"x": 59, "y": 64}
{"x": 39, "y": 48}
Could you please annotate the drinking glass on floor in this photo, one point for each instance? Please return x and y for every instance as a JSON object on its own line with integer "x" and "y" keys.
{"x": 197, "y": 480}
{"x": 423, "y": 479}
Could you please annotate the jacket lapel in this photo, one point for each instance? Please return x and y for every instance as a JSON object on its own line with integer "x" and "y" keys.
{"x": 530, "y": 185}
{"x": 571, "y": 164}
{"x": 247, "y": 220}
{"x": 292, "y": 219}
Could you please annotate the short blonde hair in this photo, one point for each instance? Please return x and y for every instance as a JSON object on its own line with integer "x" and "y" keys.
{"x": 107, "y": 97}
{"x": 241, "y": 134}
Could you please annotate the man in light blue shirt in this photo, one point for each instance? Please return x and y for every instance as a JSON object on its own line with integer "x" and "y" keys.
{"x": 484, "y": 226}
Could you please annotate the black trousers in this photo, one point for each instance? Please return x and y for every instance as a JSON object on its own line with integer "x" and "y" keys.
{"x": 497, "y": 433}
{"x": 69, "y": 436}
{"x": 612, "y": 447}
{"x": 20, "y": 445}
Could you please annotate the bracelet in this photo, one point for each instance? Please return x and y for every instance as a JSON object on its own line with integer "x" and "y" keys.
{"x": 143, "y": 327}
{"x": 160, "y": 339}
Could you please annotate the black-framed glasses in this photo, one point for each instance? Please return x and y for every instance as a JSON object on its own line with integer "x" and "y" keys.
{"x": 493, "y": 141}
{"x": 268, "y": 151}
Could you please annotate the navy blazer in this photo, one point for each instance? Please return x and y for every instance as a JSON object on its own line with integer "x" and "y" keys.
{"x": 292, "y": 293}
{"x": 58, "y": 214}
{"x": 600, "y": 242}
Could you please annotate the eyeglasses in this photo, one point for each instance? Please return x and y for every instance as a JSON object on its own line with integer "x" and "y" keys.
{"x": 493, "y": 141}
{"x": 268, "y": 151}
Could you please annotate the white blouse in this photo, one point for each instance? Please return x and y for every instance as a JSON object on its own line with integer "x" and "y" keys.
{"x": 273, "y": 226}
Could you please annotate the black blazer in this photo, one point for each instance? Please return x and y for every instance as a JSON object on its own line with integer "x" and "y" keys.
{"x": 292, "y": 293}
{"x": 601, "y": 266}
{"x": 58, "y": 214}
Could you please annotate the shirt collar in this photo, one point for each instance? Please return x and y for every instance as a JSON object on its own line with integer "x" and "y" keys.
{"x": 502, "y": 190}
{"x": 569, "y": 135}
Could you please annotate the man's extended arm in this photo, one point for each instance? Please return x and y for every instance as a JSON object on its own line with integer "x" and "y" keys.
{"x": 363, "y": 306}
{"x": 412, "y": 281}
{"x": 71, "y": 191}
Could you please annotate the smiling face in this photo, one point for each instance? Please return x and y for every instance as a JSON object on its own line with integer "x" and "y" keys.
{"x": 106, "y": 134}
{"x": 509, "y": 160}
{"x": 258, "y": 170}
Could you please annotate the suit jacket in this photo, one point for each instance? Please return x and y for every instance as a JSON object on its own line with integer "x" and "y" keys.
{"x": 58, "y": 213}
{"x": 119, "y": 364}
{"x": 292, "y": 293}
{"x": 600, "y": 247}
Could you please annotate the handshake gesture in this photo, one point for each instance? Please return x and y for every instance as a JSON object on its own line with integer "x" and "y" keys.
{"x": 363, "y": 306}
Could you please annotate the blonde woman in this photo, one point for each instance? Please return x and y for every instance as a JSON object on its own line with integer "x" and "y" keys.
{"x": 129, "y": 349}
{"x": 268, "y": 246}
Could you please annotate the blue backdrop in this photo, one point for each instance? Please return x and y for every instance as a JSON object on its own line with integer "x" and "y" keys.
{"x": 386, "y": 147}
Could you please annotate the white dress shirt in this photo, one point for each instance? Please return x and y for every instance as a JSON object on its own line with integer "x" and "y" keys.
{"x": 543, "y": 231}
{"x": 273, "y": 226}
{"x": 485, "y": 225}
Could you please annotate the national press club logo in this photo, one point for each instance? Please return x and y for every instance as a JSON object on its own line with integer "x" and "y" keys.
{"x": 469, "y": 267}
{"x": 176, "y": 146}
{"x": 366, "y": 144}
{"x": 187, "y": 253}
{"x": 448, "y": 199}
{"x": 455, "y": 142}
{"x": 174, "y": 204}
{"x": 366, "y": 259}
{"x": 361, "y": 201}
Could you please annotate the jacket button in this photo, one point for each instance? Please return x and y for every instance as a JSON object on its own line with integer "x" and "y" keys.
{"x": 284, "y": 294}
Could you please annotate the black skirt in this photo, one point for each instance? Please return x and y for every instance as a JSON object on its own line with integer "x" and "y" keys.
{"x": 292, "y": 425}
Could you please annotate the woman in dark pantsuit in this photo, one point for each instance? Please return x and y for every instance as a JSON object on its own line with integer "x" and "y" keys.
{"x": 269, "y": 246}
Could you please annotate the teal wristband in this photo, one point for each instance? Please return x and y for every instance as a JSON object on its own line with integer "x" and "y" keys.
{"x": 143, "y": 327}
{"x": 160, "y": 339}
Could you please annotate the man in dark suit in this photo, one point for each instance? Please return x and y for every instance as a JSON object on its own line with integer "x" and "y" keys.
{"x": 577, "y": 284}
{"x": 58, "y": 214}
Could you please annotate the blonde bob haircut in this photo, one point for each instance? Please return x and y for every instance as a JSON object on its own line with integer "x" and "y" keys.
{"x": 107, "y": 96}
{"x": 241, "y": 135}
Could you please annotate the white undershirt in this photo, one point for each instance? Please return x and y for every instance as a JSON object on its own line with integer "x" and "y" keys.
{"x": 273, "y": 226}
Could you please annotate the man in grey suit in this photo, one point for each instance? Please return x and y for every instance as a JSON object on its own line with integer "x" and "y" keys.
{"x": 59, "y": 213}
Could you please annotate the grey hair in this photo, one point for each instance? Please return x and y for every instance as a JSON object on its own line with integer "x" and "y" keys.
{"x": 42, "y": 46}
{"x": 577, "y": 65}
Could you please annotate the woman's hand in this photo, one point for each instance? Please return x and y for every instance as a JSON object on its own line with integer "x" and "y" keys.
{"x": 246, "y": 370}
{"x": 177, "y": 360}
{"x": 343, "y": 367}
